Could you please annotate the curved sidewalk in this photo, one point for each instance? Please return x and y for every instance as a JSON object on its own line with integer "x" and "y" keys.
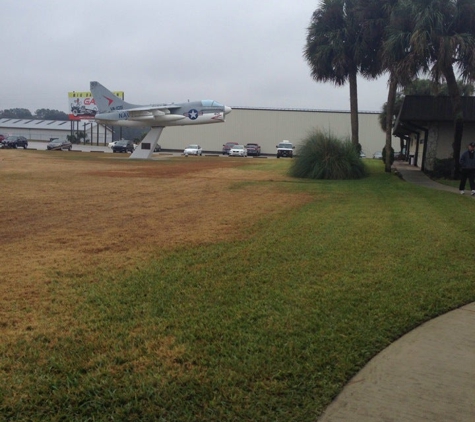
{"x": 428, "y": 375}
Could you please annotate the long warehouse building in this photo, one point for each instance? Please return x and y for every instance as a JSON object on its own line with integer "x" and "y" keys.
{"x": 268, "y": 127}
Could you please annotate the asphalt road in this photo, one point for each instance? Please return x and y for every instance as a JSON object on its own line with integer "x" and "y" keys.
{"x": 84, "y": 148}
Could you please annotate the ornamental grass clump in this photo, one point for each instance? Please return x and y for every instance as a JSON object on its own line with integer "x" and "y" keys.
{"x": 324, "y": 156}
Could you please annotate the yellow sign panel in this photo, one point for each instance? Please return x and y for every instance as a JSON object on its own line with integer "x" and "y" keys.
{"x": 82, "y": 105}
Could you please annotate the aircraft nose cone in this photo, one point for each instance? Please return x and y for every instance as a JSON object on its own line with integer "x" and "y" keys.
{"x": 227, "y": 110}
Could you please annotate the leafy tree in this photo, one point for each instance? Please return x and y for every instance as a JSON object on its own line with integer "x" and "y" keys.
{"x": 466, "y": 89}
{"x": 16, "y": 113}
{"x": 47, "y": 114}
{"x": 421, "y": 87}
{"x": 382, "y": 118}
{"x": 444, "y": 34}
{"x": 73, "y": 139}
{"x": 430, "y": 87}
{"x": 81, "y": 135}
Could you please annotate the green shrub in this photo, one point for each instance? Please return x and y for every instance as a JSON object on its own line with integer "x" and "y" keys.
{"x": 324, "y": 156}
{"x": 442, "y": 169}
{"x": 73, "y": 139}
{"x": 391, "y": 155}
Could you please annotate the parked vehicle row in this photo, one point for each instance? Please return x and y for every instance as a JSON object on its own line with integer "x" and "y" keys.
{"x": 284, "y": 148}
{"x": 233, "y": 149}
{"x": 251, "y": 148}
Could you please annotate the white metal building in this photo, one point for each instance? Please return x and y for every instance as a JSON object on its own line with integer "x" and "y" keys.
{"x": 43, "y": 130}
{"x": 268, "y": 127}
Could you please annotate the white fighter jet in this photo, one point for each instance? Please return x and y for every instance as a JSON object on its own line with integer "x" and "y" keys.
{"x": 114, "y": 111}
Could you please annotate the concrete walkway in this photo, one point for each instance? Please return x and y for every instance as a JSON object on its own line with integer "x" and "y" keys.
{"x": 415, "y": 175}
{"x": 426, "y": 375}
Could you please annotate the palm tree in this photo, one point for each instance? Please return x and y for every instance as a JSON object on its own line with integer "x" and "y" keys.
{"x": 332, "y": 50}
{"x": 398, "y": 59}
{"x": 444, "y": 34}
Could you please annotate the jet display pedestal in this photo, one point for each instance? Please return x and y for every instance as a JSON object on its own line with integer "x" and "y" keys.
{"x": 144, "y": 150}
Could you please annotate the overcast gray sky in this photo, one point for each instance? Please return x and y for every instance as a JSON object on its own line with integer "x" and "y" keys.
{"x": 240, "y": 53}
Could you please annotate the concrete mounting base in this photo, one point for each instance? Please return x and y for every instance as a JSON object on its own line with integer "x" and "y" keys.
{"x": 144, "y": 150}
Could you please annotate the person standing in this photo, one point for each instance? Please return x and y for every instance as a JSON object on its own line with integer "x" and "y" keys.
{"x": 467, "y": 168}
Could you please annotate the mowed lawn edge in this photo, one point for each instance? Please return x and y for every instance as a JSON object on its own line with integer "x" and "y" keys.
{"x": 270, "y": 327}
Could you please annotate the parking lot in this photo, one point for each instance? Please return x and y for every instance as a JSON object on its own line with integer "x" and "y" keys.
{"x": 40, "y": 146}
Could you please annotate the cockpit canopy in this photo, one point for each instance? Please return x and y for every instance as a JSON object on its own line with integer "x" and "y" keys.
{"x": 210, "y": 103}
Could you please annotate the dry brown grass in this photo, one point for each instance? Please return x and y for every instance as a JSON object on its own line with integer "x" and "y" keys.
{"x": 63, "y": 212}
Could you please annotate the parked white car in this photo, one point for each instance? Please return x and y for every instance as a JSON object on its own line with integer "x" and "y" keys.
{"x": 193, "y": 149}
{"x": 238, "y": 151}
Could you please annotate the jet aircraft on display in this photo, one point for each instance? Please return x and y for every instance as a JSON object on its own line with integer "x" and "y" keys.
{"x": 114, "y": 111}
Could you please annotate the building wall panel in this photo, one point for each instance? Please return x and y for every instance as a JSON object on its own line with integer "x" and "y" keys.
{"x": 268, "y": 127}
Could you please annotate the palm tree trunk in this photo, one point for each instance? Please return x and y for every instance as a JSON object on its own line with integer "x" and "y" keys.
{"x": 354, "y": 107}
{"x": 389, "y": 119}
{"x": 456, "y": 100}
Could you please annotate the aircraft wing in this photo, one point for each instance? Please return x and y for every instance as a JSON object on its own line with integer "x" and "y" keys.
{"x": 159, "y": 113}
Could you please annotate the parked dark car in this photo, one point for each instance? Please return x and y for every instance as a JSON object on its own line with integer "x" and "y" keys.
{"x": 158, "y": 148}
{"x": 253, "y": 149}
{"x": 15, "y": 141}
{"x": 123, "y": 146}
{"x": 227, "y": 146}
{"x": 59, "y": 144}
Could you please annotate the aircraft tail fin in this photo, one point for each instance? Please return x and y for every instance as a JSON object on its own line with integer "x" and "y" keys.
{"x": 106, "y": 101}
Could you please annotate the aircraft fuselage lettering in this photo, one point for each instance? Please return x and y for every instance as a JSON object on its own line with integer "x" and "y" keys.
{"x": 124, "y": 115}
{"x": 117, "y": 108}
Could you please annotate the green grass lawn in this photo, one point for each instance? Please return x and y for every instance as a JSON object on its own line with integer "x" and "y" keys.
{"x": 451, "y": 182}
{"x": 266, "y": 329}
